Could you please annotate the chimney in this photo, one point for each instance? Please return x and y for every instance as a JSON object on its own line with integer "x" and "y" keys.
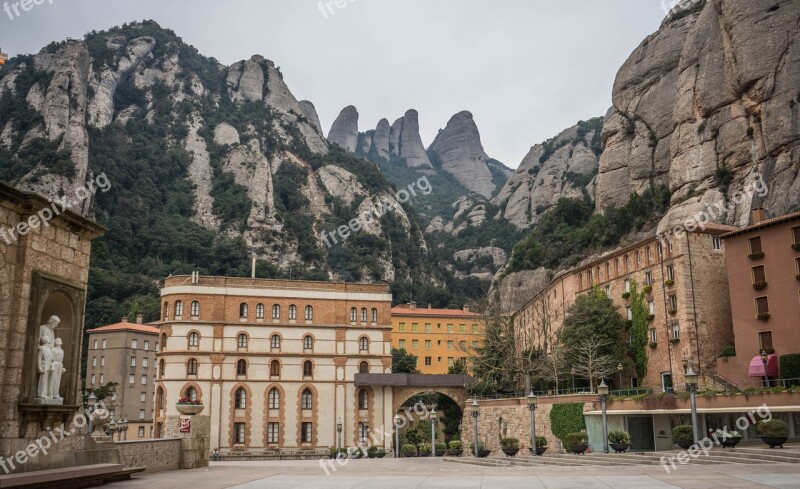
{"x": 412, "y": 305}
{"x": 139, "y": 318}
{"x": 466, "y": 308}
{"x": 758, "y": 215}
{"x": 124, "y": 319}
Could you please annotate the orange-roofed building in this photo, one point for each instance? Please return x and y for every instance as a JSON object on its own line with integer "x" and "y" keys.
{"x": 437, "y": 337}
{"x": 125, "y": 353}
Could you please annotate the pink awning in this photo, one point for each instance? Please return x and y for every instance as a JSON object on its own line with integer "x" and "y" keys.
{"x": 757, "y": 366}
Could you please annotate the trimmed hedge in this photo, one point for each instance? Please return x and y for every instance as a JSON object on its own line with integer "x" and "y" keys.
{"x": 790, "y": 368}
{"x": 566, "y": 418}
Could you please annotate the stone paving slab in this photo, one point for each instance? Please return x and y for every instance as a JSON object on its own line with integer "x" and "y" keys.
{"x": 435, "y": 474}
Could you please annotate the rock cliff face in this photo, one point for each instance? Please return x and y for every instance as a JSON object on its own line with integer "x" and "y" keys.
{"x": 344, "y": 130}
{"x": 459, "y": 152}
{"x": 706, "y": 105}
{"x": 561, "y": 167}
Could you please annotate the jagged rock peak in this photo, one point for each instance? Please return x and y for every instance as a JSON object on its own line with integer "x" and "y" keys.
{"x": 458, "y": 150}
{"x": 405, "y": 131}
{"x": 311, "y": 113}
{"x": 344, "y": 130}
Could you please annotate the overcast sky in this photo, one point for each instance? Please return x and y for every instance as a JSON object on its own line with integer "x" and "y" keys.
{"x": 526, "y": 69}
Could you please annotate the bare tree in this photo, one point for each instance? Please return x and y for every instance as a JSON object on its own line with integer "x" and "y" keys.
{"x": 552, "y": 366}
{"x": 590, "y": 362}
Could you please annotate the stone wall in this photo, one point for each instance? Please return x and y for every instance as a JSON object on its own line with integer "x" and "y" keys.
{"x": 510, "y": 418}
{"x": 194, "y": 446}
{"x": 155, "y": 455}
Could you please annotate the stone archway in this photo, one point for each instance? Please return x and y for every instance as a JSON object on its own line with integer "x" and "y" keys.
{"x": 402, "y": 394}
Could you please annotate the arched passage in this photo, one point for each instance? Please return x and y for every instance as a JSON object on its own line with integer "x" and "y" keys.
{"x": 416, "y": 411}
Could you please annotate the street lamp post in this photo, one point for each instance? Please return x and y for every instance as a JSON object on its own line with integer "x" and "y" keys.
{"x": 572, "y": 373}
{"x": 433, "y": 430}
{"x": 475, "y": 413}
{"x": 691, "y": 386}
{"x": 397, "y": 420}
{"x": 532, "y": 408}
{"x": 125, "y": 429}
{"x": 91, "y": 401}
{"x": 339, "y": 434}
{"x": 112, "y": 427}
{"x": 620, "y": 368}
{"x": 602, "y": 389}
{"x": 765, "y": 360}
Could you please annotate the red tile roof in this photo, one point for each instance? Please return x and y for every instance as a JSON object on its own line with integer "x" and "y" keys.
{"x": 139, "y": 328}
{"x": 763, "y": 224}
{"x": 424, "y": 311}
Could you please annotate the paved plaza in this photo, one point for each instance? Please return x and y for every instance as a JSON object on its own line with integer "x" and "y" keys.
{"x": 434, "y": 473}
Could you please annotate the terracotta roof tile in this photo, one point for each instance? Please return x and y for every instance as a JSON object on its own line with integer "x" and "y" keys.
{"x": 139, "y": 328}
{"x": 424, "y": 311}
{"x": 763, "y": 224}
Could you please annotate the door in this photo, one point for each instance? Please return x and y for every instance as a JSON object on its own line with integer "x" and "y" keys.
{"x": 642, "y": 434}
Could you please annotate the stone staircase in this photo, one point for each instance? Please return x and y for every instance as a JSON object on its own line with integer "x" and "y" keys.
{"x": 717, "y": 456}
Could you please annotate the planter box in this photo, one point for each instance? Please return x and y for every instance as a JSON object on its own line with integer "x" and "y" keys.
{"x": 684, "y": 444}
{"x": 510, "y": 452}
{"x": 189, "y": 409}
{"x": 455, "y": 452}
{"x": 539, "y": 451}
{"x": 578, "y": 449}
{"x": 731, "y": 442}
{"x": 483, "y": 453}
{"x": 620, "y": 447}
{"x": 774, "y": 441}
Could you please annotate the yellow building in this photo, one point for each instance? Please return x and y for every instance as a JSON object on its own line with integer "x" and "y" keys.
{"x": 437, "y": 337}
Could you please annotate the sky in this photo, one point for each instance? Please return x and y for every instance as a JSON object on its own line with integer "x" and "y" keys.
{"x": 526, "y": 69}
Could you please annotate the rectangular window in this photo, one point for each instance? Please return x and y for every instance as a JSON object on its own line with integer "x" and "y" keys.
{"x": 272, "y": 432}
{"x": 796, "y": 235}
{"x": 462, "y": 328}
{"x": 630, "y": 313}
{"x": 102, "y": 381}
{"x": 142, "y": 396}
{"x": 608, "y": 291}
{"x": 102, "y": 361}
{"x": 759, "y": 275}
{"x": 141, "y": 432}
{"x": 673, "y": 303}
{"x": 627, "y": 285}
{"x": 414, "y": 327}
{"x": 402, "y": 344}
{"x": 144, "y": 362}
{"x": 94, "y": 361}
{"x": 648, "y": 278}
{"x": 755, "y": 245}
{"x": 451, "y": 345}
{"x": 652, "y": 307}
{"x": 428, "y": 361}
{"x": 141, "y": 414}
{"x": 653, "y": 335}
{"x": 449, "y": 328}
{"x": 306, "y": 433}
{"x": 427, "y": 327}
{"x": 670, "y": 272}
{"x": 765, "y": 340}
{"x": 401, "y": 327}
{"x": 104, "y": 344}
{"x": 134, "y": 344}
{"x": 238, "y": 433}
{"x": 762, "y": 305}
{"x": 146, "y": 344}
{"x": 427, "y": 344}
{"x": 474, "y": 344}
{"x": 144, "y": 380}
{"x": 676, "y": 331}
{"x": 474, "y": 329}
{"x": 132, "y": 379}
{"x": 450, "y": 361}
{"x": 415, "y": 344}
{"x": 95, "y": 344}
{"x": 133, "y": 361}
{"x": 93, "y": 379}
{"x": 716, "y": 243}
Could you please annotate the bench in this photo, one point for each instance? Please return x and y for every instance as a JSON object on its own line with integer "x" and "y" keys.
{"x": 69, "y": 478}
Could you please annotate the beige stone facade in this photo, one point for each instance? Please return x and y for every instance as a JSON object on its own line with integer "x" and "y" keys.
{"x": 689, "y": 302}
{"x": 125, "y": 353}
{"x": 273, "y": 361}
{"x": 44, "y": 267}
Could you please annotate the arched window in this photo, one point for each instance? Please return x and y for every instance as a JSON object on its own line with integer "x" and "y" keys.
{"x": 241, "y": 367}
{"x": 161, "y": 401}
{"x": 363, "y": 399}
{"x": 275, "y": 369}
{"x": 241, "y": 341}
{"x": 276, "y": 311}
{"x": 161, "y": 369}
{"x": 353, "y": 314}
{"x": 308, "y": 342}
{"x": 259, "y": 311}
{"x": 195, "y": 309}
{"x": 627, "y": 262}
{"x": 166, "y": 311}
{"x": 274, "y": 399}
{"x": 363, "y": 368}
{"x": 608, "y": 271}
{"x": 308, "y": 368}
{"x": 243, "y": 310}
{"x": 163, "y": 342}
{"x": 309, "y": 313}
{"x": 240, "y": 399}
{"x": 194, "y": 340}
{"x": 292, "y": 312}
{"x": 178, "y": 309}
{"x": 374, "y": 315}
{"x": 306, "y": 400}
{"x": 191, "y": 367}
{"x": 275, "y": 342}
{"x": 363, "y": 314}
{"x": 363, "y": 343}
{"x": 190, "y": 394}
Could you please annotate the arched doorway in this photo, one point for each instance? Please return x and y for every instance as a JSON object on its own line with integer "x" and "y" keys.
{"x": 417, "y": 414}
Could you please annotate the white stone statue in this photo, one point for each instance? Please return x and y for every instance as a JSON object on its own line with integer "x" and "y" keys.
{"x": 47, "y": 330}
{"x": 58, "y": 369}
{"x": 44, "y": 365}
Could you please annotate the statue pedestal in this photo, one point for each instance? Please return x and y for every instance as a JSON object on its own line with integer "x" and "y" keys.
{"x": 195, "y": 435}
{"x": 48, "y": 402}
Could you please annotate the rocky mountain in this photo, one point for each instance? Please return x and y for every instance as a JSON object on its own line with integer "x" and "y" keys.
{"x": 344, "y": 130}
{"x": 209, "y": 164}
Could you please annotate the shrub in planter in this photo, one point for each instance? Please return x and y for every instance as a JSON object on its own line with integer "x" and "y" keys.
{"x": 620, "y": 440}
{"x": 651, "y": 317}
{"x": 760, "y": 285}
{"x": 756, "y": 256}
{"x": 541, "y": 445}
{"x": 763, "y": 316}
{"x": 441, "y": 447}
{"x": 728, "y": 439}
{"x": 332, "y": 452}
{"x": 796, "y": 247}
{"x": 683, "y": 436}
{"x": 626, "y": 295}
{"x": 647, "y": 289}
{"x": 729, "y": 351}
{"x": 424, "y": 449}
{"x": 510, "y": 446}
{"x": 372, "y": 451}
{"x": 482, "y": 451}
{"x": 669, "y": 282}
{"x": 408, "y": 450}
{"x": 773, "y": 432}
{"x": 653, "y": 345}
{"x": 455, "y": 448}
{"x": 675, "y": 341}
{"x": 578, "y": 442}
{"x": 790, "y": 368}
{"x": 380, "y": 453}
